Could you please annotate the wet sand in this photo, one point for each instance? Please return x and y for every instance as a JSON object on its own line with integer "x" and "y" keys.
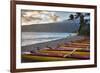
{"x": 52, "y": 44}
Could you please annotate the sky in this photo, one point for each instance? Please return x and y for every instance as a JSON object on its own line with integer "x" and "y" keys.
{"x": 41, "y": 17}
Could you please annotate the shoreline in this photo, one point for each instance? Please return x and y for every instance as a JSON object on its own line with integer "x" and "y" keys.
{"x": 52, "y": 44}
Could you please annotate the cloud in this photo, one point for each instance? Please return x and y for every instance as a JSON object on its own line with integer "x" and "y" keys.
{"x": 38, "y": 17}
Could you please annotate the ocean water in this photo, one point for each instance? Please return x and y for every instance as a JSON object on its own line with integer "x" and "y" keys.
{"x": 29, "y": 38}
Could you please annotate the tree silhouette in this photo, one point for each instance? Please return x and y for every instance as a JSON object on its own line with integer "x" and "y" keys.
{"x": 84, "y": 28}
{"x": 81, "y": 23}
{"x": 78, "y": 14}
{"x": 71, "y": 17}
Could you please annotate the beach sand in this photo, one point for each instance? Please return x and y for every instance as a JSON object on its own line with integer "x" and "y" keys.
{"x": 52, "y": 44}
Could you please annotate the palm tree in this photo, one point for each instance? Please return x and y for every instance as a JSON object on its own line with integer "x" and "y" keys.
{"x": 78, "y": 14}
{"x": 87, "y": 14}
{"x": 71, "y": 17}
{"x": 81, "y": 23}
{"x": 84, "y": 27}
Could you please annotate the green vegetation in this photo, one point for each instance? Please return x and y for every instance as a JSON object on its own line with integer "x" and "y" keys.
{"x": 84, "y": 28}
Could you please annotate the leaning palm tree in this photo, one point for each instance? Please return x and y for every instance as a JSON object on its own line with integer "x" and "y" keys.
{"x": 82, "y": 23}
{"x": 84, "y": 26}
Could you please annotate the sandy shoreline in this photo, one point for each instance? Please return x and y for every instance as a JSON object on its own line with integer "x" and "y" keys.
{"x": 50, "y": 44}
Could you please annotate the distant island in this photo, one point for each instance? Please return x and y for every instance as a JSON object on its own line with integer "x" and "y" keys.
{"x": 70, "y": 26}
